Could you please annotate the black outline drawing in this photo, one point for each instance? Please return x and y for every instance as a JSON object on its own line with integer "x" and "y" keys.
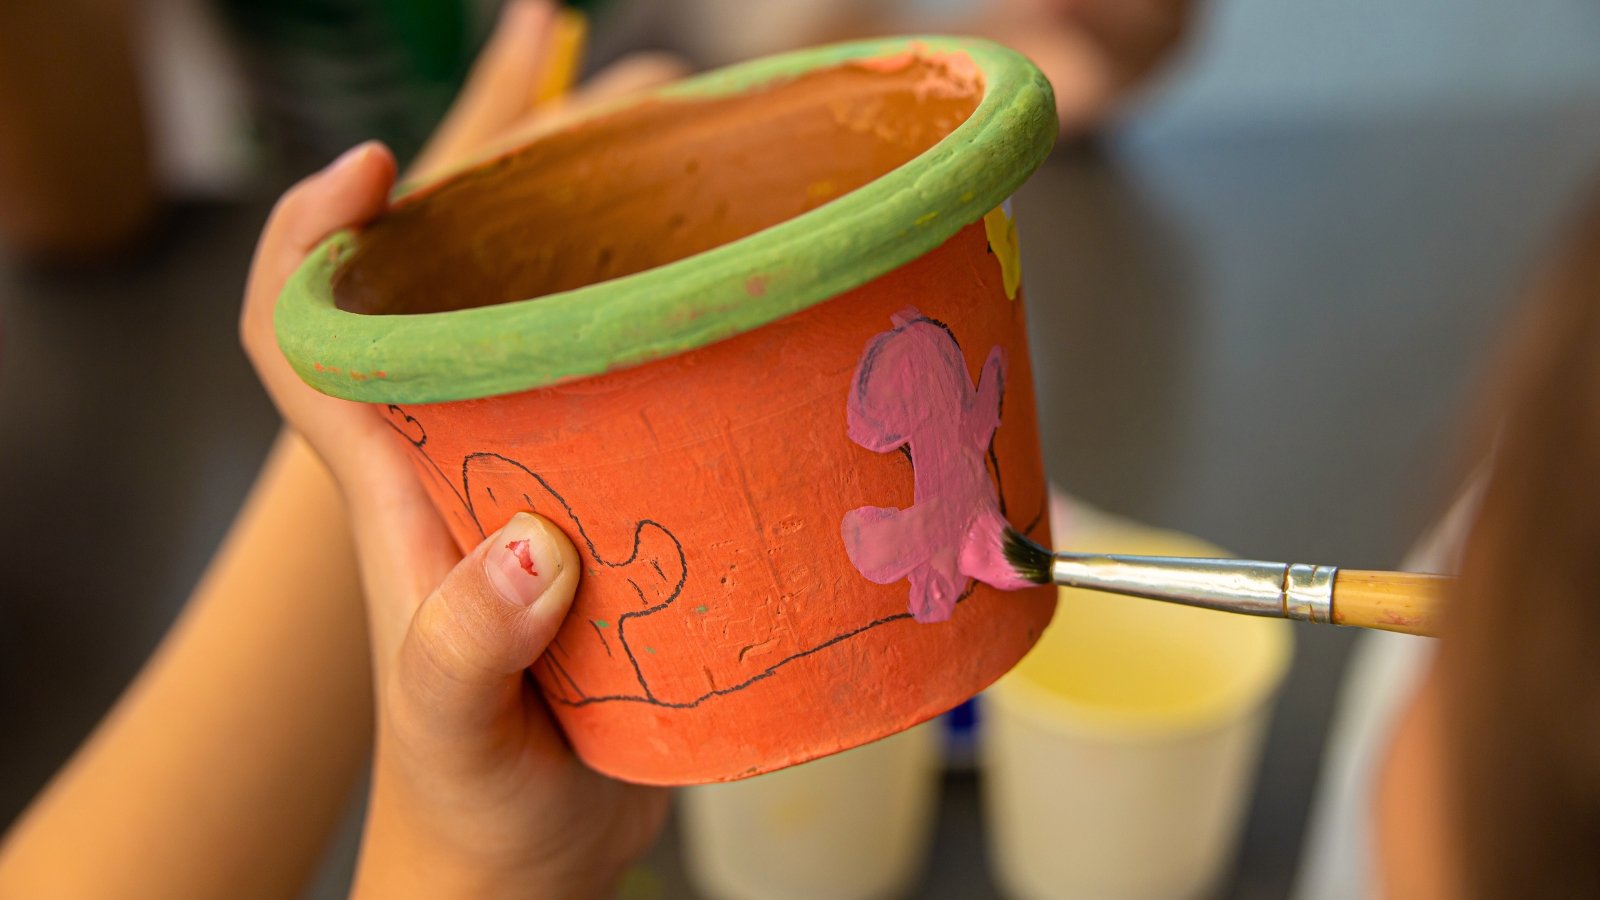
{"x": 558, "y": 680}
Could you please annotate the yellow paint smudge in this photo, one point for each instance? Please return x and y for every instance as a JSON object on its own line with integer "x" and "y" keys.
{"x": 820, "y": 190}
{"x": 1002, "y": 231}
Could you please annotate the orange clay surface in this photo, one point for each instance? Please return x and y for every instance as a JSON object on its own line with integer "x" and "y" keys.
{"x": 721, "y": 629}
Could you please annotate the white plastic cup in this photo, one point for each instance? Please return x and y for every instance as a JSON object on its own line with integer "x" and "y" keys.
{"x": 1120, "y": 754}
{"x": 852, "y": 826}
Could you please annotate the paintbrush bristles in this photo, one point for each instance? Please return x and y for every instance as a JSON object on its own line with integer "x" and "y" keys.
{"x": 1031, "y": 561}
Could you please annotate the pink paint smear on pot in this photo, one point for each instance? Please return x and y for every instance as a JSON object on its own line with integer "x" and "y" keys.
{"x": 912, "y": 390}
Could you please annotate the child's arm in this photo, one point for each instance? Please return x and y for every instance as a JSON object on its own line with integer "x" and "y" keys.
{"x": 474, "y": 791}
{"x": 223, "y": 768}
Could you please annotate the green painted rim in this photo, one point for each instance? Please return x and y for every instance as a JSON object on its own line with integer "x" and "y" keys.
{"x": 501, "y": 349}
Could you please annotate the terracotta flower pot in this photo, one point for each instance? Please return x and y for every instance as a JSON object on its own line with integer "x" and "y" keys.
{"x": 773, "y": 380}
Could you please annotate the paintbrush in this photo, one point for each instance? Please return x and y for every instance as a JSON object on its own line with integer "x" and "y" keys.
{"x": 1390, "y": 601}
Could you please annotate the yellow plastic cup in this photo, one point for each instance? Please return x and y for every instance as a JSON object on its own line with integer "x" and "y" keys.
{"x": 1120, "y": 754}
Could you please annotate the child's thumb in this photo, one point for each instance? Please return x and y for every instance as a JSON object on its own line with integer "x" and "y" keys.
{"x": 462, "y": 660}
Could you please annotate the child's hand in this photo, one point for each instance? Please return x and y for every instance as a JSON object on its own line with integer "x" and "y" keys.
{"x": 1095, "y": 52}
{"x": 474, "y": 790}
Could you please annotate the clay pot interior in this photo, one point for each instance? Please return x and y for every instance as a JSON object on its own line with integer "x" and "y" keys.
{"x": 652, "y": 183}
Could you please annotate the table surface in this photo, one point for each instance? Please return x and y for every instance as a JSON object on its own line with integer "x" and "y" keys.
{"x": 1268, "y": 336}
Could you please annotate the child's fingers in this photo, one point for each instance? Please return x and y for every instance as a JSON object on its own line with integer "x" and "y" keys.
{"x": 460, "y": 668}
{"x": 632, "y": 73}
{"x": 1134, "y": 36}
{"x": 350, "y": 437}
{"x": 350, "y": 191}
{"x": 405, "y": 546}
{"x": 497, "y": 93}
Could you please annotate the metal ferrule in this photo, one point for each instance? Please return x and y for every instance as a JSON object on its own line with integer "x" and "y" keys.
{"x": 1280, "y": 590}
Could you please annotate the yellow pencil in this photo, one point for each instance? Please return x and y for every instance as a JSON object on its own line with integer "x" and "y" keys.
{"x": 566, "y": 57}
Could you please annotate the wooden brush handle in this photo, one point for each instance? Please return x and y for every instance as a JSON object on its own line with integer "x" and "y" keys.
{"x": 1392, "y": 601}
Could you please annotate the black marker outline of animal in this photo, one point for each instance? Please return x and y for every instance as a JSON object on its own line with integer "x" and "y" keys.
{"x": 415, "y": 434}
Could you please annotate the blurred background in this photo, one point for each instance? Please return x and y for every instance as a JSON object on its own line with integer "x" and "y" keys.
{"x": 1262, "y": 287}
